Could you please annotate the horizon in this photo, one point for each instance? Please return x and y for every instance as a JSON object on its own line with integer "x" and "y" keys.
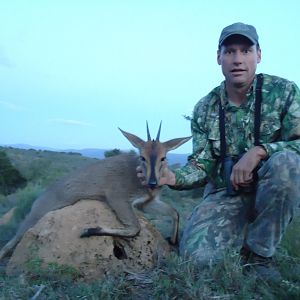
{"x": 38, "y": 147}
{"x": 73, "y": 72}
{"x": 98, "y": 153}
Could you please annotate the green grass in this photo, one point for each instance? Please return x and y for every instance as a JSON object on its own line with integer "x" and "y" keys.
{"x": 291, "y": 240}
{"x": 173, "y": 279}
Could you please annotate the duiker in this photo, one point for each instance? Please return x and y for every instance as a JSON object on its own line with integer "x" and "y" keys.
{"x": 115, "y": 181}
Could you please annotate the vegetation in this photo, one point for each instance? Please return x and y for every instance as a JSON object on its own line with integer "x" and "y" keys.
{"x": 10, "y": 178}
{"x": 42, "y": 166}
{"x": 174, "y": 278}
{"x": 112, "y": 152}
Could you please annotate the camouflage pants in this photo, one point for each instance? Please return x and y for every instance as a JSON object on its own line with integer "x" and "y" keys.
{"x": 221, "y": 223}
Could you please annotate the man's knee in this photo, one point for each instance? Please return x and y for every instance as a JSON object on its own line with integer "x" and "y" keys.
{"x": 284, "y": 164}
{"x": 284, "y": 158}
{"x": 279, "y": 180}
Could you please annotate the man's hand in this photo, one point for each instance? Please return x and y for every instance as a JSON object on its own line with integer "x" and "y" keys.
{"x": 140, "y": 175}
{"x": 242, "y": 171}
{"x": 167, "y": 177}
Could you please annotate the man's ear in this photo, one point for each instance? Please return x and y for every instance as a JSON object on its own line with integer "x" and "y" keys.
{"x": 258, "y": 55}
{"x": 218, "y": 57}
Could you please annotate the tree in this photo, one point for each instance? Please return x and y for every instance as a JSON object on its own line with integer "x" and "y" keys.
{"x": 112, "y": 152}
{"x": 10, "y": 178}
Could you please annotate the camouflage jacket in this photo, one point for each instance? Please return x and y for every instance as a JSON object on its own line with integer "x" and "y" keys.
{"x": 279, "y": 129}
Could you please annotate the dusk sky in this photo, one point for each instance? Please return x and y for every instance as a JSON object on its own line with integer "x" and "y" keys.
{"x": 72, "y": 72}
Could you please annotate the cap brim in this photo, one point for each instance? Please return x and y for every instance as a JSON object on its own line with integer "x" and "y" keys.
{"x": 237, "y": 33}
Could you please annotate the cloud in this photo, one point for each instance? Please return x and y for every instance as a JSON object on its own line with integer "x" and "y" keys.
{"x": 11, "y": 105}
{"x": 71, "y": 122}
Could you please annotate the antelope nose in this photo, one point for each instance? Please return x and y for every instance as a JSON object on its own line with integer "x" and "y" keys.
{"x": 152, "y": 184}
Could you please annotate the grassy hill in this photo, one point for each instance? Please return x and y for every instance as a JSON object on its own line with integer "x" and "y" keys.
{"x": 45, "y": 165}
{"x": 173, "y": 279}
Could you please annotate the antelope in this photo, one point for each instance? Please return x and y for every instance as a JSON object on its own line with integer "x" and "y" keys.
{"x": 115, "y": 181}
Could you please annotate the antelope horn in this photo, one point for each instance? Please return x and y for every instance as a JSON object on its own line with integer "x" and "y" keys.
{"x": 148, "y": 132}
{"x": 158, "y": 134}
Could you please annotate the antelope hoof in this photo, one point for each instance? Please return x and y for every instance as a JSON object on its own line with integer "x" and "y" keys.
{"x": 87, "y": 232}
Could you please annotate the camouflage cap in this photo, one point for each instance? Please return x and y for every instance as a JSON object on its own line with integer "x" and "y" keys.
{"x": 246, "y": 30}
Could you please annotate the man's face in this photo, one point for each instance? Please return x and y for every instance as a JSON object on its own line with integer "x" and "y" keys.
{"x": 238, "y": 59}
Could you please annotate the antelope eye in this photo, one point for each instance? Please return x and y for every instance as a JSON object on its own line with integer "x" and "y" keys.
{"x": 142, "y": 158}
{"x": 163, "y": 159}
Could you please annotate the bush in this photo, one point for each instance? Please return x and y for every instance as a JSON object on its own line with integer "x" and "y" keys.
{"x": 10, "y": 178}
{"x": 112, "y": 152}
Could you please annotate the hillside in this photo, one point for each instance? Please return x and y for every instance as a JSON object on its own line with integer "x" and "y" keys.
{"x": 44, "y": 165}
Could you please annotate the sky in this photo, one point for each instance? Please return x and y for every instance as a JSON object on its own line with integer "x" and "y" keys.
{"x": 72, "y": 72}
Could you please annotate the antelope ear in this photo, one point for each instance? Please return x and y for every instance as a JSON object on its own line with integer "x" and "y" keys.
{"x": 133, "y": 139}
{"x": 175, "y": 143}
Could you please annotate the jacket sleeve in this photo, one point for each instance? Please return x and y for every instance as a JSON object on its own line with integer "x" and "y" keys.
{"x": 290, "y": 124}
{"x": 200, "y": 163}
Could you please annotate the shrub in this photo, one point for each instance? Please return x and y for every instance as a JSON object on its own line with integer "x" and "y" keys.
{"x": 10, "y": 178}
{"x": 112, "y": 152}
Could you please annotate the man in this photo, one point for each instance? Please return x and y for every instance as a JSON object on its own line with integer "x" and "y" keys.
{"x": 253, "y": 215}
